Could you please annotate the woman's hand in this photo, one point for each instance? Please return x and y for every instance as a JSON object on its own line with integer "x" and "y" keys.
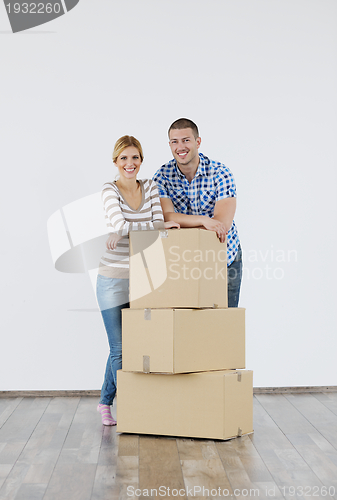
{"x": 112, "y": 241}
{"x": 170, "y": 223}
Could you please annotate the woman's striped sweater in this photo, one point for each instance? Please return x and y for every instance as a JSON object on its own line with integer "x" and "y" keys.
{"x": 121, "y": 219}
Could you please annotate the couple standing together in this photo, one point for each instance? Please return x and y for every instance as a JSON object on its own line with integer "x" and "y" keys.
{"x": 189, "y": 191}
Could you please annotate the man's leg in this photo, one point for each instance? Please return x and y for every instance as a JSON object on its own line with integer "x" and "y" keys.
{"x": 234, "y": 276}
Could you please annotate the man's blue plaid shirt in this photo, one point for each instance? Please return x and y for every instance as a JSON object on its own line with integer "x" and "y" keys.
{"x": 212, "y": 182}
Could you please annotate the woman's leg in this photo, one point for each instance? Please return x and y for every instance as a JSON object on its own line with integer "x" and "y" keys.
{"x": 112, "y": 319}
{"x": 112, "y": 297}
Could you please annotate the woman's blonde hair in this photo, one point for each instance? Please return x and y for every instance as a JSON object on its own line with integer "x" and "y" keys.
{"x": 123, "y": 143}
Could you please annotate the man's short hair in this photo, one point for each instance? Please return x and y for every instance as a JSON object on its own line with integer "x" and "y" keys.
{"x": 184, "y": 123}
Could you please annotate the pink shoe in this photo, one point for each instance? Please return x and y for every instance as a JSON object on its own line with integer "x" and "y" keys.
{"x": 105, "y": 412}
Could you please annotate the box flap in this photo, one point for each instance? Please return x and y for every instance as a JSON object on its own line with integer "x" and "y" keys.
{"x": 238, "y": 403}
{"x": 147, "y": 340}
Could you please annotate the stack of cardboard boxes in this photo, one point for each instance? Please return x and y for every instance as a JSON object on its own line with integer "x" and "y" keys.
{"x": 183, "y": 348}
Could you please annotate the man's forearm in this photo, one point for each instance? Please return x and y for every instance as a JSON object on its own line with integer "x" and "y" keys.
{"x": 227, "y": 220}
{"x": 185, "y": 220}
{"x": 224, "y": 212}
{"x": 201, "y": 221}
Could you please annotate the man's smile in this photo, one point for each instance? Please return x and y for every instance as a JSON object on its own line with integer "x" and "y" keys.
{"x": 182, "y": 154}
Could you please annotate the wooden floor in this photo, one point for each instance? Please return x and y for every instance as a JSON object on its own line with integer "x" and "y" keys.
{"x": 57, "y": 449}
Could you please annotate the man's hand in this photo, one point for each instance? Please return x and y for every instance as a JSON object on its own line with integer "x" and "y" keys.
{"x": 217, "y": 226}
{"x": 112, "y": 241}
{"x": 224, "y": 211}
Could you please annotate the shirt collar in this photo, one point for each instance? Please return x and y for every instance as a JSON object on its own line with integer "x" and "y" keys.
{"x": 201, "y": 170}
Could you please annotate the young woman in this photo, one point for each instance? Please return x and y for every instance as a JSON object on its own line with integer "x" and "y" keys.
{"x": 129, "y": 204}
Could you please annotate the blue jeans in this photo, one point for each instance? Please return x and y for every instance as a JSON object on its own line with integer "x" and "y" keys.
{"x": 112, "y": 297}
{"x": 234, "y": 276}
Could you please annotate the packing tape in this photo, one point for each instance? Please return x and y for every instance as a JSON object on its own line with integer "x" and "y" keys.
{"x": 147, "y": 314}
{"x": 239, "y": 376}
{"x": 146, "y": 364}
{"x": 163, "y": 234}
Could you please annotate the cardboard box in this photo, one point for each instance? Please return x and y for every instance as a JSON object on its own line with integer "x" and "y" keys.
{"x": 183, "y": 340}
{"x": 177, "y": 268}
{"x": 209, "y": 405}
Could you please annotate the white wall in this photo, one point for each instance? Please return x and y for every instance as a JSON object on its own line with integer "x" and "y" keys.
{"x": 259, "y": 77}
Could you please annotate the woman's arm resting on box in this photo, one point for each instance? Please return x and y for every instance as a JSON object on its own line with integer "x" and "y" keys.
{"x": 121, "y": 225}
{"x": 111, "y": 242}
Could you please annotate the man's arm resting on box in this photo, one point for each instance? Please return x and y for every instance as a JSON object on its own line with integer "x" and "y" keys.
{"x": 224, "y": 211}
{"x": 193, "y": 220}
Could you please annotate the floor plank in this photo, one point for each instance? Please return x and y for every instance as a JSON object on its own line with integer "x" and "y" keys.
{"x": 315, "y": 450}
{"x": 79, "y": 455}
{"x": 202, "y": 469}
{"x": 328, "y": 399}
{"x": 31, "y": 492}
{"x": 35, "y": 463}
{"x": 109, "y": 446}
{"x": 71, "y": 481}
{"x": 46, "y": 442}
{"x": 105, "y": 487}
{"x": 117, "y": 465}
{"x": 14, "y": 435}
{"x": 7, "y": 407}
{"x": 5, "y": 470}
{"x": 284, "y": 462}
{"x": 159, "y": 465}
{"x": 318, "y": 414}
{"x": 13, "y": 482}
{"x": 246, "y": 470}
{"x": 57, "y": 448}
{"x": 20, "y": 425}
{"x": 127, "y": 477}
{"x": 83, "y": 441}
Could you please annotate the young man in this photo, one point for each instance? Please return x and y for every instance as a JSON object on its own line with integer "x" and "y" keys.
{"x": 198, "y": 192}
